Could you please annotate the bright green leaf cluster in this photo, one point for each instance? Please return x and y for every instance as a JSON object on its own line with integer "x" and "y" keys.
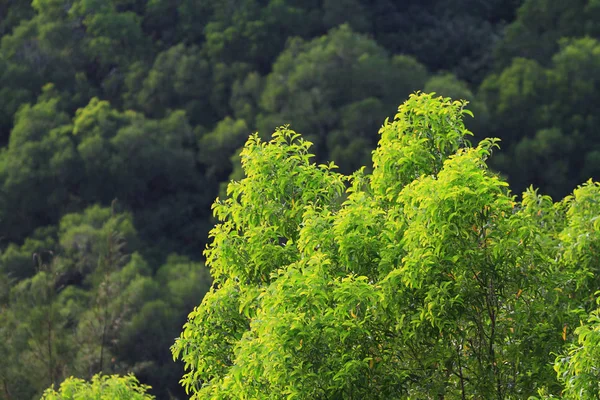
{"x": 578, "y": 369}
{"x": 100, "y": 387}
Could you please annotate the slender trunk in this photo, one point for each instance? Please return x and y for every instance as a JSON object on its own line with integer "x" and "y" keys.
{"x": 460, "y": 374}
{"x": 50, "y": 360}
{"x": 103, "y": 340}
{"x": 107, "y": 269}
{"x": 492, "y": 354}
{"x": 7, "y": 394}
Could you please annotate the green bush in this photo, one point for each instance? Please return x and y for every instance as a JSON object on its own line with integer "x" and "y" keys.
{"x": 100, "y": 387}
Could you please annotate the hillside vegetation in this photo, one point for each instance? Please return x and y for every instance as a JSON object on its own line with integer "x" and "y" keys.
{"x": 121, "y": 121}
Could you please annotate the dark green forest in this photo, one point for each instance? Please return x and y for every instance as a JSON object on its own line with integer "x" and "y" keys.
{"x": 121, "y": 121}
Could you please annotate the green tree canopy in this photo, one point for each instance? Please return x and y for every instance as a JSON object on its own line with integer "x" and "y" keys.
{"x": 547, "y": 117}
{"x": 54, "y": 164}
{"x": 100, "y": 387}
{"x": 82, "y": 300}
{"x": 424, "y": 279}
{"x": 540, "y": 24}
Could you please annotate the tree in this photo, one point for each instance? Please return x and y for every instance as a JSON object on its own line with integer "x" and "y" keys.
{"x": 540, "y": 24}
{"x": 12, "y": 14}
{"x": 424, "y": 279}
{"x": 458, "y": 36}
{"x": 45, "y": 309}
{"x": 54, "y": 165}
{"x": 179, "y": 79}
{"x": 37, "y": 168}
{"x": 100, "y": 387}
{"x": 41, "y": 327}
{"x": 91, "y": 303}
{"x": 546, "y": 117}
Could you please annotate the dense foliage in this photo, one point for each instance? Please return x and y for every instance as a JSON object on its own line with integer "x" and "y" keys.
{"x": 100, "y": 388}
{"x": 425, "y": 279}
{"x": 149, "y": 102}
{"x": 91, "y": 303}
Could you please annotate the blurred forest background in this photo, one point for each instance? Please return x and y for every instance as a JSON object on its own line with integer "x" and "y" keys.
{"x": 120, "y": 121}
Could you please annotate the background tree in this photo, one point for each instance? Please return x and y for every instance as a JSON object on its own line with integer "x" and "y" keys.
{"x": 95, "y": 305}
{"x": 546, "y": 117}
{"x": 540, "y": 24}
